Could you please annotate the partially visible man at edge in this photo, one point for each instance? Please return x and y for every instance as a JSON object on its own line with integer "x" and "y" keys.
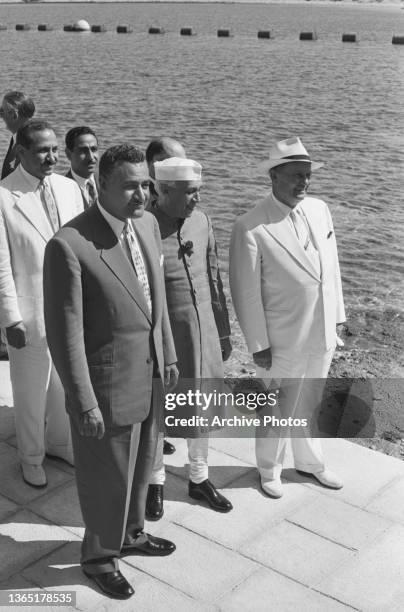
{"x": 110, "y": 337}
{"x": 15, "y": 110}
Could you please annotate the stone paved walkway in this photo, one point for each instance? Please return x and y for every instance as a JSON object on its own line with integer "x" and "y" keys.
{"x": 313, "y": 549}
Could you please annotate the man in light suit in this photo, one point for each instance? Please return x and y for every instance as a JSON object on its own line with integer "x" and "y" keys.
{"x": 82, "y": 152}
{"x": 34, "y": 202}
{"x": 15, "y": 110}
{"x": 286, "y": 288}
{"x": 110, "y": 338}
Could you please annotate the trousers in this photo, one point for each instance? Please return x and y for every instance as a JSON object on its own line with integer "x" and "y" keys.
{"x": 198, "y": 461}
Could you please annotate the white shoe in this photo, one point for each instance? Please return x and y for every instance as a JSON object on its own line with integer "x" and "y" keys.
{"x": 66, "y": 456}
{"x": 273, "y": 488}
{"x": 34, "y": 475}
{"x": 326, "y": 478}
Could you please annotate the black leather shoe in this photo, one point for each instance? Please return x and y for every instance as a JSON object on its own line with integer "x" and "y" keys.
{"x": 154, "y": 502}
{"x": 205, "y": 490}
{"x": 146, "y": 544}
{"x": 113, "y": 584}
{"x": 168, "y": 448}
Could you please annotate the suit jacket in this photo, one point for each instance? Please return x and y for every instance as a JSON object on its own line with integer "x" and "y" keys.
{"x": 85, "y": 202}
{"x": 10, "y": 161}
{"x": 280, "y": 299}
{"x": 24, "y": 232}
{"x": 103, "y": 341}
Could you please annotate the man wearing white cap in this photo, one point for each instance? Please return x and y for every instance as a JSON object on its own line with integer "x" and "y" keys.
{"x": 286, "y": 288}
{"x": 197, "y": 311}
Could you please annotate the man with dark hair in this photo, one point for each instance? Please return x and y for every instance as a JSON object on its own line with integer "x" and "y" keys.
{"x": 34, "y": 203}
{"x": 158, "y": 150}
{"x": 110, "y": 338}
{"x": 15, "y": 110}
{"x": 82, "y": 151}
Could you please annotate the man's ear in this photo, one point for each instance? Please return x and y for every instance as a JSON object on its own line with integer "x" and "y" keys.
{"x": 20, "y": 151}
{"x": 101, "y": 181}
{"x": 68, "y": 153}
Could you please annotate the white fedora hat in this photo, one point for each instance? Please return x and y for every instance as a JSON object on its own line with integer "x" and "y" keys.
{"x": 286, "y": 152}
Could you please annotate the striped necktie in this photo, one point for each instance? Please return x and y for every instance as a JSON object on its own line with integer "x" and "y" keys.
{"x": 91, "y": 193}
{"x": 49, "y": 204}
{"x": 137, "y": 261}
{"x": 301, "y": 229}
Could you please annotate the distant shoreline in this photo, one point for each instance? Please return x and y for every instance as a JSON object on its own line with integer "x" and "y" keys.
{"x": 353, "y": 3}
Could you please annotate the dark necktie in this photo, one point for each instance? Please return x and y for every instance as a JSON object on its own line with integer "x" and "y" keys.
{"x": 91, "y": 194}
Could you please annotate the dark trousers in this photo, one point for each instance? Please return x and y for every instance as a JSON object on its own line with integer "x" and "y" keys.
{"x": 112, "y": 477}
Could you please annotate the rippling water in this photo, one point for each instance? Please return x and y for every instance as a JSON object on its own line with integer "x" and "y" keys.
{"x": 228, "y": 99}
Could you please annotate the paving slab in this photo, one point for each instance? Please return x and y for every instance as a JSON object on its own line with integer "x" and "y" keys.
{"x": 18, "y": 583}
{"x": 26, "y": 537}
{"x": 340, "y": 522}
{"x": 60, "y": 506}
{"x": 199, "y": 568}
{"x": 223, "y": 468}
{"x": 390, "y": 502}
{"x": 373, "y": 580}
{"x": 266, "y": 590}
{"x": 296, "y": 552}
{"x": 365, "y": 472}
{"x": 7, "y": 507}
{"x": 241, "y": 448}
{"x": 6, "y": 395}
{"x": 253, "y": 512}
{"x": 12, "y": 484}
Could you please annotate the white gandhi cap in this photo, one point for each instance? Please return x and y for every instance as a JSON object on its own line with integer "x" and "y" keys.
{"x": 177, "y": 169}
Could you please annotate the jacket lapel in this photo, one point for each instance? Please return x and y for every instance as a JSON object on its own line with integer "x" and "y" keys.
{"x": 279, "y": 228}
{"x": 29, "y": 204}
{"x": 115, "y": 259}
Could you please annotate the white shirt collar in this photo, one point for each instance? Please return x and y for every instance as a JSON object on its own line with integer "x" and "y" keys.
{"x": 284, "y": 207}
{"x": 32, "y": 180}
{"x": 82, "y": 182}
{"x": 117, "y": 225}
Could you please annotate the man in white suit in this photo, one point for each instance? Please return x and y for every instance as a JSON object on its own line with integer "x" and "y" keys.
{"x": 286, "y": 288}
{"x": 34, "y": 203}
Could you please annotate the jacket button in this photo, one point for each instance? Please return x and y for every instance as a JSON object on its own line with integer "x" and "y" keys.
{"x": 149, "y": 360}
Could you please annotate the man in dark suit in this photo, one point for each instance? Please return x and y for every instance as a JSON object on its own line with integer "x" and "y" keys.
{"x": 15, "y": 110}
{"x": 110, "y": 338}
{"x": 82, "y": 152}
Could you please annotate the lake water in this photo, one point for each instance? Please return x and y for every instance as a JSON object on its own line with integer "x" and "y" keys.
{"x": 227, "y": 100}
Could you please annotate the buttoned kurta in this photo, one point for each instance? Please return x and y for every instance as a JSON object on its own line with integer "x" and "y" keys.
{"x": 195, "y": 300}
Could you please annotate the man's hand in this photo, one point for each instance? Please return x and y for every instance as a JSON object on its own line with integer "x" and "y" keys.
{"x": 263, "y": 359}
{"x": 17, "y": 335}
{"x": 91, "y": 424}
{"x": 226, "y": 347}
{"x": 170, "y": 377}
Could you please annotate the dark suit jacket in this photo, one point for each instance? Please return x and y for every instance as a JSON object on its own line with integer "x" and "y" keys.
{"x": 103, "y": 341}
{"x": 70, "y": 176}
{"x": 10, "y": 162}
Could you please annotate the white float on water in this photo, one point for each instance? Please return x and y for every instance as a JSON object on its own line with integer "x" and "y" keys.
{"x": 82, "y": 26}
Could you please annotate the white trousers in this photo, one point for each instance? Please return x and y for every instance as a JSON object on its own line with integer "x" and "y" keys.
{"x": 41, "y": 420}
{"x": 198, "y": 461}
{"x": 304, "y": 397}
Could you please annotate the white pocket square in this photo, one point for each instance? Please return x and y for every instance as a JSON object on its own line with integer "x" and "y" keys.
{"x": 161, "y": 259}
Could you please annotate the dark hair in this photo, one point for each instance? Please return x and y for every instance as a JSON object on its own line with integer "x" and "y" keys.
{"x": 24, "y": 105}
{"x": 74, "y": 133}
{"x": 24, "y": 134}
{"x": 117, "y": 155}
{"x": 160, "y": 146}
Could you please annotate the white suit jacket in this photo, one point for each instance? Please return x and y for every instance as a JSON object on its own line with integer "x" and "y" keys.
{"x": 24, "y": 232}
{"x": 280, "y": 299}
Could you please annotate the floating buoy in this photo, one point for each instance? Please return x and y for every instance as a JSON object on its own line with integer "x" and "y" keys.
{"x": 124, "y": 29}
{"x": 22, "y": 27}
{"x": 264, "y": 34}
{"x": 68, "y": 28}
{"x": 44, "y": 27}
{"x": 224, "y": 33}
{"x": 81, "y": 26}
{"x": 308, "y": 36}
{"x": 156, "y": 30}
{"x": 187, "y": 32}
{"x": 98, "y": 28}
{"x": 349, "y": 38}
{"x": 396, "y": 40}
